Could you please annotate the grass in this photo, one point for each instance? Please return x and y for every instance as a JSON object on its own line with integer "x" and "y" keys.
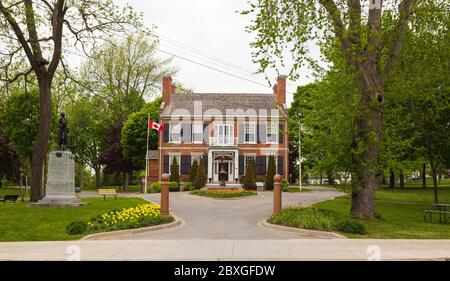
{"x": 20, "y": 223}
{"x": 295, "y": 189}
{"x": 131, "y": 188}
{"x": 220, "y": 193}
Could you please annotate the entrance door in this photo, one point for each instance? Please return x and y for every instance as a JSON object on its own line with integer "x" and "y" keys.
{"x": 227, "y": 166}
{"x": 223, "y": 166}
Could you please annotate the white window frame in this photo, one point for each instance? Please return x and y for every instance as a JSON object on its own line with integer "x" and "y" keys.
{"x": 173, "y": 127}
{"x": 247, "y": 127}
{"x": 178, "y": 156}
{"x": 246, "y": 157}
{"x": 197, "y": 128}
{"x": 197, "y": 157}
{"x": 272, "y": 126}
{"x": 225, "y": 139}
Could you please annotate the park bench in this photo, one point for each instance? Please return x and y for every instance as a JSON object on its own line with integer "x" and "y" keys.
{"x": 9, "y": 198}
{"x": 107, "y": 192}
{"x": 440, "y": 210}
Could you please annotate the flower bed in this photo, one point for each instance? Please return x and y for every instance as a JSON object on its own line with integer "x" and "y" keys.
{"x": 224, "y": 193}
{"x": 140, "y": 216}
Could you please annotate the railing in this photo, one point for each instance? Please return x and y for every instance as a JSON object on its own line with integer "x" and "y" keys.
{"x": 222, "y": 141}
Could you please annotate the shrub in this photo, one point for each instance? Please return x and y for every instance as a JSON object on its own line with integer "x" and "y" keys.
{"x": 174, "y": 171}
{"x": 155, "y": 187}
{"x": 306, "y": 217}
{"x": 350, "y": 226}
{"x": 250, "y": 175}
{"x": 200, "y": 179}
{"x": 284, "y": 184}
{"x": 193, "y": 171}
{"x": 174, "y": 186}
{"x": 187, "y": 186}
{"x": 224, "y": 193}
{"x": 76, "y": 227}
{"x": 268, "y": 184}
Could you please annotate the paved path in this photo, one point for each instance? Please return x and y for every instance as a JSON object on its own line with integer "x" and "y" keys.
{"x": 216, "y": 250}
{"x": 207, "y": 218}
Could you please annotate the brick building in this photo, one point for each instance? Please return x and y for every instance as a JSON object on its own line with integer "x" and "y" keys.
{"x": 225, "y": 129}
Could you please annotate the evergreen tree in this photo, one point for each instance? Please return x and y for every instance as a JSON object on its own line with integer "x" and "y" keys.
{"x": 174, "y": 172}
{"x": 250, "y": 175}
{"x": 200, "y": 179}
{"x": 270, "y": 173}
{"x": 193, "y": 172}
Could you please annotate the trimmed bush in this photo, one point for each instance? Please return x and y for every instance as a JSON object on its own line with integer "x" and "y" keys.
{"x": 187, "y": 186}
{"x": 268, "y": 184}
{"x": 200, "y": 179}
{"x": 174, "y": 171}
{"x": 350, "y": 226}
{"x": 193, "y": 171}
{"x": 284, "y": 184}
{"x": 174, "y": 186}
{"x": 155, "y": 187}
{"x": 76, "y": 227}
{"x": 250, "y": 176}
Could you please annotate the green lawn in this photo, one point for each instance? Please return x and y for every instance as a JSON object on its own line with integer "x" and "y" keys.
{"x": 20, "y": 223}
{"x": 401, "y": 213}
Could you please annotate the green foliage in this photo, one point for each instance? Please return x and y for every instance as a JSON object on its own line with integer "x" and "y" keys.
{"x": 229, "y": 193}
{"x": 174, "y": 186}
{"x": 193, "y": 172}
{"x": 250, "y": 175}
{"x": 200, "y": 179}
{"x": 174, "y": 171}
{"x": 284, "y": 184}
{"x": 187, "y": 186}
{"x": 155, "y": 187}
{"x": 270, "y": 173}
{"x": 350, "y": 226}
{"x": 305, "y": 217}
{"x": 134, "y": 133}
{"x": 76, "y": 227}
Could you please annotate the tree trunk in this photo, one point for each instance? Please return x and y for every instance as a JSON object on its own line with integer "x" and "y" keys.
{"x": 41, "y": 143}
{"x": 97, "y": 177}
{"x": 435, "y": 183}
{"x": 126, "y": 179}
{"x": 402, "y": 180}
{"x": 391, "y": 179}
{"x": 81, "y": 178}
{"x": 321, "y": 178}
{"x": 424, "y": 175}
{"x": 330, "y": 178}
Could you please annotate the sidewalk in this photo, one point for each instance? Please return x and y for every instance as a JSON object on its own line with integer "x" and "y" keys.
{"x": 292, "y": 249}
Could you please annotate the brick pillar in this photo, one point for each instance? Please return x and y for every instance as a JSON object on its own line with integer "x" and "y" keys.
{"x": 165, "y": 194}
{"x": 277, "y": 195}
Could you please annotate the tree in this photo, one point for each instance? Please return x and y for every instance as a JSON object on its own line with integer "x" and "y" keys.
{"x": 32, "y": 32}
{"x": 193, "y": 172}
{"x": 200, "y": 179}
{"x": 175, "y": 171}
{"x": 270, "y": 173}
{"x": 112, "y": 156}
{"x": 369, "y": 51}
{"x": 134, "y": 133}
{"x": 124, "y": 73}
{"x": 250, "y": 175}
{"x": 10, "y": 162}
{"x": 88, "y": 125}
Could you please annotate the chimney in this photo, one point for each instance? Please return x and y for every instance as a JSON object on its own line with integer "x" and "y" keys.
{"x": 167, "y": 89}
{"x": 281, "y": 89}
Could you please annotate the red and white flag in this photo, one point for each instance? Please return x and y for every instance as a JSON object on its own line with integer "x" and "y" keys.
{"x": 156, "y": 126}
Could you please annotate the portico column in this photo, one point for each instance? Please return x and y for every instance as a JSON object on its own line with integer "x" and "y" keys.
{"x": 236, "y": 165}
{"x": 210, "y": 164}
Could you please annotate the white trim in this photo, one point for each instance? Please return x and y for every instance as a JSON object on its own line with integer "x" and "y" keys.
{"x": 272, "y": 127}
{"x": 248, "y": 125}
{"x": 170, "y": 133}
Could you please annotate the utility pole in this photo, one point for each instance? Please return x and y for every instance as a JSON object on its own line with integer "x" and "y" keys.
{"x": 300, "y": 156}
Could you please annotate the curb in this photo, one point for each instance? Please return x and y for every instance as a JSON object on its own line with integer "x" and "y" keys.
{"x": 95, "y": 236}
{"x": 232, "y": 198}
{"x": 306, "y": 233}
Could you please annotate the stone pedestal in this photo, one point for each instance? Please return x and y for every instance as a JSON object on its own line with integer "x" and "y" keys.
{"x": 60, "y": 186}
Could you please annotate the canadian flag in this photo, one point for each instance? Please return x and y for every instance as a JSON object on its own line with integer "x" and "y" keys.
{"x": 156, "y": 126}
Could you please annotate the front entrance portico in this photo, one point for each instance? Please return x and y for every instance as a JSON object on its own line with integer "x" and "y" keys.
{"x": 226, "y": 158}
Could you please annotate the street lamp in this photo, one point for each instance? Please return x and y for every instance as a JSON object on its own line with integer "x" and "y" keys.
{"x": 300, "y": 156}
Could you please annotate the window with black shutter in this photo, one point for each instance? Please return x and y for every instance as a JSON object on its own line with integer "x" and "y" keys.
{"x": 241, "y": 165}
{"x": 166, "y": 132}
{"x": 260, "y": 165}
{"x": 280, "y": 164}
{"x": 166, "y": 164}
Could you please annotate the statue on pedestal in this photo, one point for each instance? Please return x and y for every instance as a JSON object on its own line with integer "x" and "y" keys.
{"x": 62, "y": 131}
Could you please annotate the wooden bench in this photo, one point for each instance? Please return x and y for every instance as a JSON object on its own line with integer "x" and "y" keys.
{"x": 9, "y": 198}
{"x": 106, "y": 192}
{"x": 441, "y": 213}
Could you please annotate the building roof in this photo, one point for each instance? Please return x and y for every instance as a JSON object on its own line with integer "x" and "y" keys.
{"x": 223, "y": 102}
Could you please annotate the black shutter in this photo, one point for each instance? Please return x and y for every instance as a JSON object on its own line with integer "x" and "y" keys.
{"x": 166, "y": 132}
{"x": 205, "y": 161}
{"x": 260, "y": 165}
{"x": 281, "y": 133}
{"x": 241, "y": 132}
{"x": 241, "y": 165}
{"x": 186, "y": 133}
{"x": 262, "y": 133}
{"x": 166, "y": 164}
{"x": 205, "y": 134}
{"x": 280, "y": 165}
{"x": 185, "y": 164}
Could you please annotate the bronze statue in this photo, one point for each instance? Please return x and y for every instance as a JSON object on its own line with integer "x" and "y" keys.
{"x": 62, "y": 131}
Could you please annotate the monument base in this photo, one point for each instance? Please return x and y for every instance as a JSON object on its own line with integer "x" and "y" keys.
{"x": 58, "y": 201}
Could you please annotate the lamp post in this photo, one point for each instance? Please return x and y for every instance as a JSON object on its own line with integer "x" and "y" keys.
{"x": 300, "y": 156}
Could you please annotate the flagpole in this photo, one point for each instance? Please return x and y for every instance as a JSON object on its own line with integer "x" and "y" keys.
{"x": 146, "y": 155}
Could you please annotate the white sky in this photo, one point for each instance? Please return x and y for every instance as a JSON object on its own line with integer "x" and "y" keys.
{"x": 213, "y": 27}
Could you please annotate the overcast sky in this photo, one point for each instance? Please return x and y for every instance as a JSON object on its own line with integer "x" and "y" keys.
{"x": 212, "y": 27}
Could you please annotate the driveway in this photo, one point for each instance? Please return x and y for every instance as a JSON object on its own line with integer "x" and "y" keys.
{"x": 207, "y": 218}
